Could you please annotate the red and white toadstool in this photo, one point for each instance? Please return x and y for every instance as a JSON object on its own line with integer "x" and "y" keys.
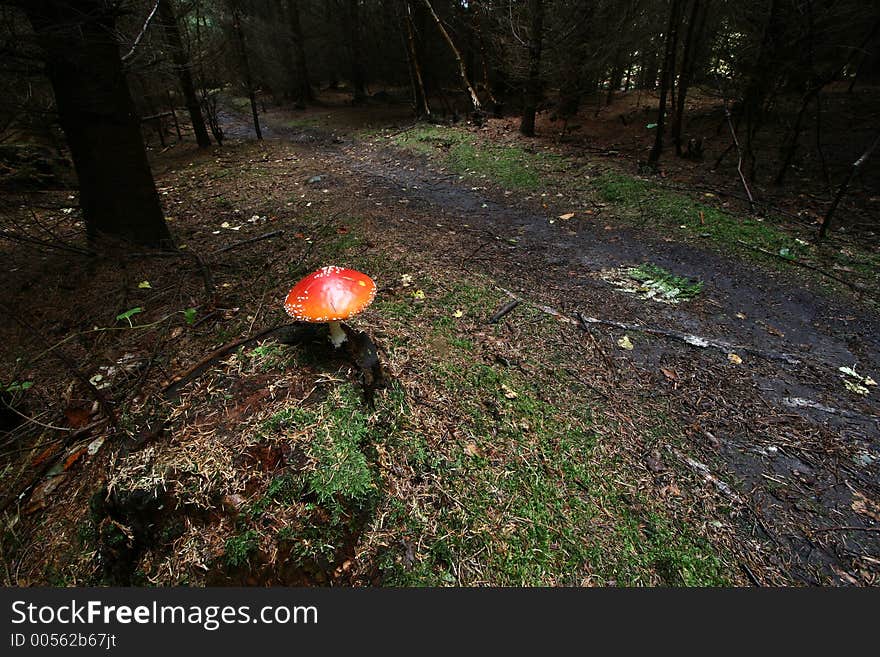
{"x": 330, "y": 295}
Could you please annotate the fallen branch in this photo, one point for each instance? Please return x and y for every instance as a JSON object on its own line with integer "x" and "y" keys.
{"x": 235, "y": 245}
{"x": 196, "y": 370}
{"x": 704, "y": 470}
{"x": 693, "y": 340}
{"x": 848, "y": 528}
{"x": 504, "y": 310}
{"x": 800, "y": 402}
{"x": 800, "y": 263}
{"x": 61, "y": 246}
{"x": 582, "y": 321}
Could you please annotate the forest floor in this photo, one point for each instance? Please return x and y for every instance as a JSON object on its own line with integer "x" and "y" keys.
{"x": 665, "y": 406}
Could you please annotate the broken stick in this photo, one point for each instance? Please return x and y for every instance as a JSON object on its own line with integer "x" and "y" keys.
{"x": 503, "y": 310}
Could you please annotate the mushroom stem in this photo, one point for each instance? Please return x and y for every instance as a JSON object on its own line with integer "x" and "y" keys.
{"x": 337, "y": 335}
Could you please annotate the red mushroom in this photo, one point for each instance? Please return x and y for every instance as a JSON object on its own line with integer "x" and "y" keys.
{"x": 329, "y": 295}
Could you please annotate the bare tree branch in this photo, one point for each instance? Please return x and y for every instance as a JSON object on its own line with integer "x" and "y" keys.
{"x": 140, "y": 36}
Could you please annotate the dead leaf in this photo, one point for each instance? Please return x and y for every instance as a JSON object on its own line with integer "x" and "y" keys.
{"x": 77, "y": 416}
{"x": 471, "y": 450}
{"x": 45, "y": 454}
{"x": 669, "y": 374}
{"x": 855, "y": 387}
{"x": 734, "y": 358}
{"x": 567, "y": 215}
{"x": 74, "y": 457}
{"x": 670, "y": 490}
{"x": 95, "y": 445}
{"x": 508, "y": 392}
{"x": 233, "y": 502}
{"x": 864, "y": 506}
{"x": 41, "y": 492}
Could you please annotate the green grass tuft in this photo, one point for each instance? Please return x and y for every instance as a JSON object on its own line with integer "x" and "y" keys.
{"x": 509, "y": 166}
{"x": 240, "y": 548}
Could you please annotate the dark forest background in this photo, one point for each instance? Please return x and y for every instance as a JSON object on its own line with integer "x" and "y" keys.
{"x": 83, "y": 81}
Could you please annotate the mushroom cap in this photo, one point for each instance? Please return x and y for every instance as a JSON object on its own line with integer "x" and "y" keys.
{"x": 330, "y": 294}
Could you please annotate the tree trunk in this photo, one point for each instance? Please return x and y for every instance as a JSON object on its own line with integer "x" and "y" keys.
{"x": 302, "y": 88}
{"x": 814, "y": 88}
{"x": 649, "y": 68}
{"x": 488, "y": 84}
{"x": 666, "y": 80}
{"x": 692, "y": 37}
{"x": 423, "y": 110}
{"x": 475, "y": 101}
{"x": 117, "y": 193}
{"x": 615, "y": 79}
{"x": 533, "y": 85}
{"x": 245, "y": 67}
{"x": 759, "y": 84}
{"x": 790, "y": 143}
{"x": 358, "y": 76}
{"x": 182, "y": 68}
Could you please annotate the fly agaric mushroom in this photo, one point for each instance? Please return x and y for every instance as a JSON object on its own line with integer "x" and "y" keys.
{"x": 329, "y": 295}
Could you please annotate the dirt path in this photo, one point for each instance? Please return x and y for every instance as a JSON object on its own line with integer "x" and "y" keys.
{"x": 782, "y": 436}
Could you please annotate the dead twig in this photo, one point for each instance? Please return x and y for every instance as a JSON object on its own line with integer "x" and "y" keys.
{"x": 739, "y": 170}
{"x": 857, "y": 165}
{"x": 751, "y": 575}
{"x": 235, "y": 245}
{"x": 598, "y": 347}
